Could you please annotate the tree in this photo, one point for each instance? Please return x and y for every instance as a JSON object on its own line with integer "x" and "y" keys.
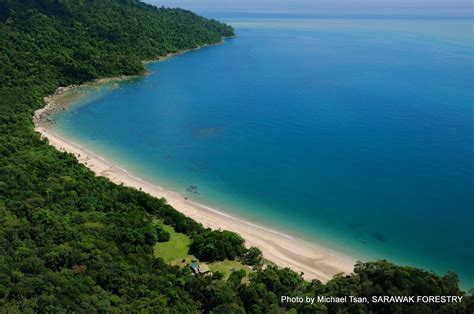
{"x": 253, "y": 257}
{"x": 217, "y": 245}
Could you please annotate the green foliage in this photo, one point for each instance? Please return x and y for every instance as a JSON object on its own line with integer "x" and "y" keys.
{"x": 253, "y": 257}
{"x": 236, "y": 277}
{"x": 62, "y": 42}
{"x": 161, "y": 234}
{"x": 218, "y": 245}
{"x": 74, "y": 242}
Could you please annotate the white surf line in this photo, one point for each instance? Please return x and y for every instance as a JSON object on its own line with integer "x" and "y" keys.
{"x": 201, "y": 205}
{"x": 129, "y": 173}
{"x": 243, "y": 221}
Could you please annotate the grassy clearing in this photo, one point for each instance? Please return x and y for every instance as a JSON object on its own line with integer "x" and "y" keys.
{"x": 175, "y": 249}
{"x": 225, "y": 267}
{"x": 175, "y": 252}
{"x": 183, "y": 261}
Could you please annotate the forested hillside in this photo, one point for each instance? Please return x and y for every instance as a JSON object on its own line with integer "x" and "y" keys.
{"x": 71, "y": 241}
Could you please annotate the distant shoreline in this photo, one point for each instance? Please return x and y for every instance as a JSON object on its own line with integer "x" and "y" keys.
{"x": 317, "y": 262}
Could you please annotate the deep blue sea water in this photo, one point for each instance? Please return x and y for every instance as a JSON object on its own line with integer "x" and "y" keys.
{"x": 353, "y": 133}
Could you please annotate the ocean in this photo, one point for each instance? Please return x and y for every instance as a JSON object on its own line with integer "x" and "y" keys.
{"x": 357, "y": 134}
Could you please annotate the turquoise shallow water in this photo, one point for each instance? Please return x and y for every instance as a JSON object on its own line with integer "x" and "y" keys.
{"x": 357, "y": 134}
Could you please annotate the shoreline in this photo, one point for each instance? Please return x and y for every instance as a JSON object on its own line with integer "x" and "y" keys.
{"x": 317, "y": 262}
{"x": 180, "y": 52}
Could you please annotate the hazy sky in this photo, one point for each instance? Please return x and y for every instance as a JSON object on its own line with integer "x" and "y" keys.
{"x": 330, "y": 7}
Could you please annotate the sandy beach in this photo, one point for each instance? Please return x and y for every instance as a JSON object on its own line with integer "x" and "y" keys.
{"x": 316, "y": 262}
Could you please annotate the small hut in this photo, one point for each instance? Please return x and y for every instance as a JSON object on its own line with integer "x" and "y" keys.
{"x": 203, "y": 269}
{"x": 199, "y": 269}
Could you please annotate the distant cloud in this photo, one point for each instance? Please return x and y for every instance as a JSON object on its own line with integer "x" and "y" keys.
{"x": 330, "y": 7}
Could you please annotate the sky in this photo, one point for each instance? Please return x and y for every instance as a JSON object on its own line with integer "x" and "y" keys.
{"x": 428, "y": 8}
